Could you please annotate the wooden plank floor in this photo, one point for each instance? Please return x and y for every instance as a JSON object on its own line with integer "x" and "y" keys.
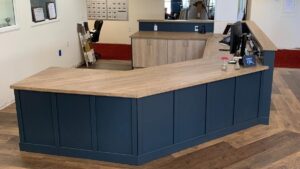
{"x": 276, "y": 146}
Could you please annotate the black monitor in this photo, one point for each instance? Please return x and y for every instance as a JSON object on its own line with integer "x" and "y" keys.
{"x": 235, "y": 37}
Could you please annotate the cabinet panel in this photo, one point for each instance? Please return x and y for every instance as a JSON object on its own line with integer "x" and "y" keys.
{"x": 195, "y": 49}
{"x": 155, "y": 122}
{"x": 220, "y": 105}
{"x": 74, "y": 118}
{"x": 114, "y": 125}
{"x": 149, "y": 52}
{"x": 177, "y": 50}
{"x": 37, "y": 118}
{"x": 158, "y": 52}
{"x": 190, "y": 107}
{"x": 247, "y": 97}
{"x": 140, "y": 51}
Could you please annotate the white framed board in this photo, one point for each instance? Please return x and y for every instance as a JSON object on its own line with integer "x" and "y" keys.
{"x": 107, "y": 9}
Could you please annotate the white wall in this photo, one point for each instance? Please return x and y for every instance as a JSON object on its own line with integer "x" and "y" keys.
{"x": 226, "y": 12}
{"x": 31, "y": 49}
{"x": 281, "y": 27}
{"x": 118, "y": 32}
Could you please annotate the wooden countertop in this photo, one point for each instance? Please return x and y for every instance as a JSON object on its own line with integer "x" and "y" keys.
{"x": 263, "y": 40}
{"x": 176, "y": 21}
{"x": 140, "y": 82}
{"x": 171, "y": 35}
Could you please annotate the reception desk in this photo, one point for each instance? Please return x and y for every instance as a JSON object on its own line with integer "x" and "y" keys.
{"x": 137, "y": 116}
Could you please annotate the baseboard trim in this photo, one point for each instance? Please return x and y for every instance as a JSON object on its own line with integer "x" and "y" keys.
{"x": 137, "y": 159}
{"x": 4, "y": 105}
{"x": 287, "y": 58}
{"x": 113, "y": 51}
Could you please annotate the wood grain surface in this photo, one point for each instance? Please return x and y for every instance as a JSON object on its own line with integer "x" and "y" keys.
{"x": 275, "y": 146}
{"x": 171, "y": 35}
{"x": 261, "y": 37}
{"x": 140, "y": 82}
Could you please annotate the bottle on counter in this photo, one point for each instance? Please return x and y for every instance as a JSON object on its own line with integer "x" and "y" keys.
{"x": 225, "y": 63}
{"x": 155, "y": 27}
{"x": 237, "y": 65}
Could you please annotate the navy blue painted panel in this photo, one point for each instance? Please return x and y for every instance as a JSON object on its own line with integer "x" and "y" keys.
{"x": 134, "y": 127}
{"x": 269, "y": 58}
{"x": 95, "y": 155}
{"x": 37, "y": 118}
{"x": 266, "y": 86}
{"x": 74, "y": 118}
{"x": 132, "y": 159}
{"x": 190, "y": 107}
{"x": 94, "y": 122}
{"x": 55, "y": 119}
{"x": 155, "y": 122}
{"x": 247, "y": 97}
{"x": 175, "y": 27}
{"x": 19, "y": 115}
{"x": 114, "y": 125}
{"x": 220, "y": 105}
{"x": 193, "y": 142}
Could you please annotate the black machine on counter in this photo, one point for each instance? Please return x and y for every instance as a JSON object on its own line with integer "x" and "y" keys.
{"x": 241, "y": 44}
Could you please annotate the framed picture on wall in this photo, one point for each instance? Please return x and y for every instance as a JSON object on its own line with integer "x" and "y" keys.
{"x": 51, "y": 10}
{"x": 38, "y": 14}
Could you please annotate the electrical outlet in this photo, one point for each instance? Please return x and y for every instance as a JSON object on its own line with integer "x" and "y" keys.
{"x": 196, "y": 28}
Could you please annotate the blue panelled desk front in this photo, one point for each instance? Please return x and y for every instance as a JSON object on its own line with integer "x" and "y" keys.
{"x": 138, "y": 130}
{"x": 135, "y": 131}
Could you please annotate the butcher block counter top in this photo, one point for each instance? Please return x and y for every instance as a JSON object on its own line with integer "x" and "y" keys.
{"x": 171, "y": 35}
{"x": 140, "y": 82}
{"x": 149, "y": 81}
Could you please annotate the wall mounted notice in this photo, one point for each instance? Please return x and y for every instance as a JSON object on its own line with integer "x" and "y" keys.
{"x": 107, "y": 9}
{"x": 289, "y": 6}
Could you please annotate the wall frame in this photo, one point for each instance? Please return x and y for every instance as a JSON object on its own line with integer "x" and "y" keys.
{"x": 51, "y": 10}
{"x": 38, "y": 14}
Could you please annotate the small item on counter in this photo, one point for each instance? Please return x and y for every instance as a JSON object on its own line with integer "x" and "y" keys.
{"x": 202, "y": 30}
{"x": 237, "y": 64}
{"x": 155, "y": 27}
{"x": 224, "y": 65}
{"x": 249, "y": 60}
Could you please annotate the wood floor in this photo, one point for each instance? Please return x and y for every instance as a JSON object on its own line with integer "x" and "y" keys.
{"x": 276, "y": 146}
